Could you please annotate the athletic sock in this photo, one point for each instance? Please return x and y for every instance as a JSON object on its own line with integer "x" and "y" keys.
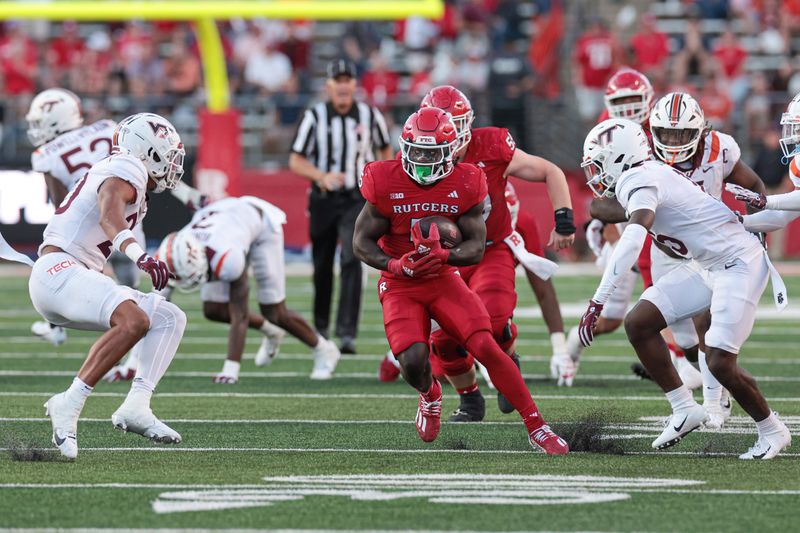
{"x": 468, "y": 390}
{"x": 771, "y": 424}
{"x": 559, "y": 342}
{"x": 231, "y": 368}
{"x": 268, "y": 328}
{"x": 680, "y": 399}
{"x": 78, "y": 391}
{"x": 140, "y": 393}
{"x": 158, "y": 347}
{"x": 504, "y": 373}
{"x": 712, "y": 389}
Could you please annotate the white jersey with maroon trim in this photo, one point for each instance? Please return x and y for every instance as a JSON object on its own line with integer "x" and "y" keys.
{"x": 75, "y": 226}
{"x": 233, "y": 225}
{"x": 69, "y": 156}
{"x": 688, "y": 221}
{"x": 720, "y": 155}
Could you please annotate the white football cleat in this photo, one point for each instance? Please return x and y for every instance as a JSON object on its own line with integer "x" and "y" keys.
{"x": 769, "y": 445}
{"x": 55, "y": 335}
{"x": 64, "y": 419}
{"x": 326, "y": 357}
{"x": 226, "y": 379}
{"x": 141, "y": 420}
{"x": 270, "y": 346}
{"x": 680, "y": 424}
{"x": 566, "y": 369}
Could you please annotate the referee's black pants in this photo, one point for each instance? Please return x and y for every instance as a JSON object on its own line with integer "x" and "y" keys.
{"x": 333, "y": 219}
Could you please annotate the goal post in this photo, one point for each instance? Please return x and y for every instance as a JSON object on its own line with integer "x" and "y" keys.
{"x": 218, "y": 162}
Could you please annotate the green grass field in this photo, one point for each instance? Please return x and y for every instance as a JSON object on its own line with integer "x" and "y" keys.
{"x": 278, "y": 451}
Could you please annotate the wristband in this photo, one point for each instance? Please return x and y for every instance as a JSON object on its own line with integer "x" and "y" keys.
{"x": 564, "y": 221}
{"x": 133, "y": 250}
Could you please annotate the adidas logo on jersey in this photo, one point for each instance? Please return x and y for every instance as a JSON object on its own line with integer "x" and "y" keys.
{"x": 453, "y": 194}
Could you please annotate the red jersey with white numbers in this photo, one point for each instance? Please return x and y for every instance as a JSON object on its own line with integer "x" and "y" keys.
{"x": 403, "y": 201}
{"x": 491, "y": 150}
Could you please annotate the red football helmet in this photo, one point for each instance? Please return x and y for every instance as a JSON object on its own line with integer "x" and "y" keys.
{"x": 629, "y": 95}
{"x": 512, "y": 201}
{"x": 454, "y": 102}
{"x": 427, "y": 145}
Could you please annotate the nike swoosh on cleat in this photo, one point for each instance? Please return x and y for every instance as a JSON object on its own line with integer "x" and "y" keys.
{"x": 763, "y": 454}
{"x": 57, "y": 440}
{"x": 678, "y": 428}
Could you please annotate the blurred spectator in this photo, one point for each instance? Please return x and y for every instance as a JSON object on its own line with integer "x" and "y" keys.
{"x": 693, "y": 57}
{"x": 712, "y": 9}
{"x": 64, "y": 52}
{"x": 510, "y": 79}
{"x": 18, "y": 60}
{"x": 757, "y": 108}
{"x": 649, "y": 46}
{"x": 416, "y": 33}
{"x": 731, "y": 56}
{"x": 144, "y": 70}
{"x": 290, "y": 103}
{"x": 419, "y": 65}
{"x": 543, "y": 53}
{"x": 715, "y": 102}
{"x": 595, "y": 58}
{"x": 268, "y": 69}
{"x": 767, "y": 163}
{"x": 380, "y": 84}
{"x": 361, "y": 39}
{"x": 472, "y": 72}
{"x": 298, "y": 43}
{"x": 182, "y": 69}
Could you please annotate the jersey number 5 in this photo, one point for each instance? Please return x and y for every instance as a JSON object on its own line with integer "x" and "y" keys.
{"x": 73, "y": 167}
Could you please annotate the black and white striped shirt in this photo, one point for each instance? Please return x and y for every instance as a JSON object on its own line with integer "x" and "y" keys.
{"x": 341, "y": 143}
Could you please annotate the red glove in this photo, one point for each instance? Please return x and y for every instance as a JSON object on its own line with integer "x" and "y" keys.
{"x": 430, "y": 246}
{"x": 588, "y": 322}
{"x": 412, "y": 265}
{"x": 158, "y": 271}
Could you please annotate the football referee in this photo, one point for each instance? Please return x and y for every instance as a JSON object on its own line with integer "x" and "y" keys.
{"x": 334, "y": 140}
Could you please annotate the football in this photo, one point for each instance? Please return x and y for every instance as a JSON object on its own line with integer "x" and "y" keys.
{"x": 449, "y": 234}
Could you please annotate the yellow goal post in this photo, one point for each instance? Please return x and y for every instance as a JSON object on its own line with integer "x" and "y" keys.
{"x": 204, "y": 13}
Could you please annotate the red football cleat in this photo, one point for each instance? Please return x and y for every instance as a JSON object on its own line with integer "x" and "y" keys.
{"x": 388, "y": 372}
{"x": 429, "y": 413}
{"x": 550, "y": 443}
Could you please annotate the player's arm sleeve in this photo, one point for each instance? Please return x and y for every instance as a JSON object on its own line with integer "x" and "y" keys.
{"x": 789, "y": 201}
{"x": 769, "y": 220}
{"x": 303, "y": 142}
{"x": 625, "y": 254}
{"x": 380, "y": 132}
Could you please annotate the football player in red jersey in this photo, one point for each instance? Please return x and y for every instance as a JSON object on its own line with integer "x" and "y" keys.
{"x": 493, "y": 280}
{"x": 419, "y": 279}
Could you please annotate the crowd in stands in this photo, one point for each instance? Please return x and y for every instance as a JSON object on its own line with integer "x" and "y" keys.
{"x": 737, "y": 56}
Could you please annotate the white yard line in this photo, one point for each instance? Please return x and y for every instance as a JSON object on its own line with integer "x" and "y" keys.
{"x": 324, "y": 396}
{"x": 358, "y": 375}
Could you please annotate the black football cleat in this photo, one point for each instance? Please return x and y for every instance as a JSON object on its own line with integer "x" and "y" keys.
{"x": 502, "y": 402}
{"x": 471, "y": 409}
{"x": 641, "y": 371}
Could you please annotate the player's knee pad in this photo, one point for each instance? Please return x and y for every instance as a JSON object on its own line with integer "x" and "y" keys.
{"x": 448, "y": 358}
{"x": 505, "y": 333}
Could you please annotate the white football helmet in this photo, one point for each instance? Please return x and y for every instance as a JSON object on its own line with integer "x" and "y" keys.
{"x": 611, "y": 148}
{"x": 790, "y": 137}
{"x": 53, "y": 112}
{"x": 677, "y": 124}
{"x": 152, "y": 139}
{"x": 186, "y": 258}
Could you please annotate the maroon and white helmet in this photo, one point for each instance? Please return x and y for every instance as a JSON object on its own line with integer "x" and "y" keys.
{"x": 677, "y": 124}
{"x": 186, "y": 258}
{"x": 53, "y": 112}
{"x": 152, "y": 139}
